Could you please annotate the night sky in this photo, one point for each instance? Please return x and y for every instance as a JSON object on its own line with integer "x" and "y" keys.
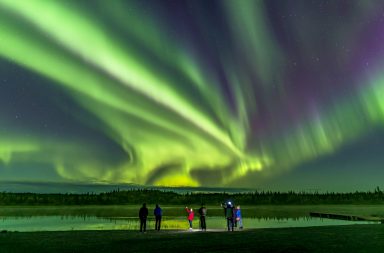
{"x": 281, "y": 95}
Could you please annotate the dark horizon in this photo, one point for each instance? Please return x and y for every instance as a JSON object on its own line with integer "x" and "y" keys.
{"x": 81, "y": 188}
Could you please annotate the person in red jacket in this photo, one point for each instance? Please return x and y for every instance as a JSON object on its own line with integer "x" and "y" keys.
{"x": 191, "y": 215}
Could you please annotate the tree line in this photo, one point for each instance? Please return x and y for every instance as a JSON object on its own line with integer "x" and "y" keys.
{"x": 150, "y": 196}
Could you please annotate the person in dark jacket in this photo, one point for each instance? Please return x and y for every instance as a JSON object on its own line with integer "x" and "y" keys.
{"x": 203, "y": 213}
{"x": 229, "y": 214}
{"x": 158, "y": 214}
{"x": 143, "y": 214}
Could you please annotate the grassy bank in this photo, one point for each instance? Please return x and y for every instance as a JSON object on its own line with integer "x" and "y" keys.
{"x": 355, "y": 238}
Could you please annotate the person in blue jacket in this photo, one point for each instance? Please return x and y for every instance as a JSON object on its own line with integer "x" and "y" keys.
{"x": 239, "y": 218}
{"x": 158, "y": 214}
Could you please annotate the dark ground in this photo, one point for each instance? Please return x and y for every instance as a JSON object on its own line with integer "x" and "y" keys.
{"x": 351, "y": 238}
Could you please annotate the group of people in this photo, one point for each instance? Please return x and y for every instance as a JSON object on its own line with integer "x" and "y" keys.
{"x": 202, "y": 212}
{"x": 232, "y": 214}
{"x": 143, "y": 214}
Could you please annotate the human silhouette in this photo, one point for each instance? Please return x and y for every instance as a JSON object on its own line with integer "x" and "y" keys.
{"x": 203, "y": 213}
{"x": 239, "y": 218}
{"x": 158, "y": 214}
{"x": 143, "y": 214}
{"x": 229, "y": 214}
{"x": 191, "y": 215}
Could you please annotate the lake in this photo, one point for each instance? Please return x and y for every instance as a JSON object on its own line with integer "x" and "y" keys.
{"x": 55, "y": 218}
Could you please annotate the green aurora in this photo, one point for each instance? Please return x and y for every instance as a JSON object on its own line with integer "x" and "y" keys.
{"x": 194, "y": 93}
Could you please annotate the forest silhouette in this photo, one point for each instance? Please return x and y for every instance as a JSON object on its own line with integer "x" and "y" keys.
{"x": 139, "y": 196}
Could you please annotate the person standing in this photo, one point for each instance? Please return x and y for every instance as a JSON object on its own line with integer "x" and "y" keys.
{"x": 143, "y": 214}
{"x": 191, "y": 215}
{"x": 239, "y": 218}
{"x": 229, "y": 213}
{"x": 158, "y": 212}
{"x": 203, "y": 213}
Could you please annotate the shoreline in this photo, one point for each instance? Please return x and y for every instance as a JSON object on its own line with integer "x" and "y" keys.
{"x": 351, "y": 238}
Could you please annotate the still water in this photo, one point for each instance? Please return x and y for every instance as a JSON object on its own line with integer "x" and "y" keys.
{"x": 63, "y": 223}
